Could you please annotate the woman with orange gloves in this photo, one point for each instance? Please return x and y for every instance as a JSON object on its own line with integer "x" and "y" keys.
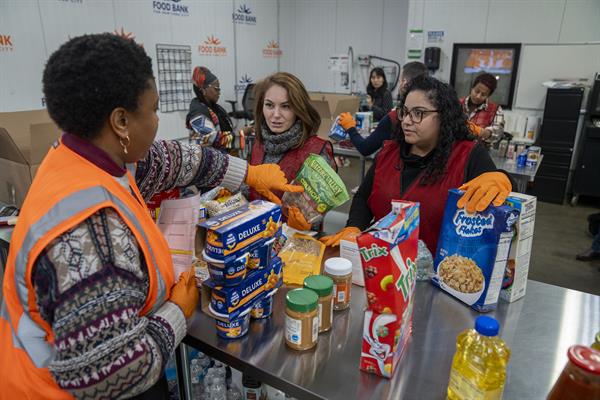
{"x": 430, "y": 154}
{"x": 91, "y": 307}
{"x": 485, "y": 118}
{"x": 286, "y": 127}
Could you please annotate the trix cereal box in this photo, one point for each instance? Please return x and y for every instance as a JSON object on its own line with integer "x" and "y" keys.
{"x": 517, "y": 267}
{"x": 472, "y": 252}
{"x": 234, "y": 231}
{"x": 388, "y": 251}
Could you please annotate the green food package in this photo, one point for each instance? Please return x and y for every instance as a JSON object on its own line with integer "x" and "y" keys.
{"x": 323, "y": 189}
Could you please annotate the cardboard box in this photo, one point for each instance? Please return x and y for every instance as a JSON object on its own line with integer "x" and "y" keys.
{"x": 349, "y": 251}
{"x": 329, "y": 106}
{"x": 517, "y": 267}
{"x": 25, "y": 138}
{"x": 388, "y": 252}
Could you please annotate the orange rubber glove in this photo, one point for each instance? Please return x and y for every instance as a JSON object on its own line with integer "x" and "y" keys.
{"x": 346, "y": 121}
{"x": 474, "y": 128}
{"x": 349, "y": 232}
{"x": 489, "y": 187}
{"x": 185, "y": 293}
{"x": 266, "y": 177}
{"x": 296, "y": 220}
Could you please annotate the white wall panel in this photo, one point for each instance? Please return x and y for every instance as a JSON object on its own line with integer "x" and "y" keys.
{"x": 22, "y": 63}
{"x": 534, "y": 21}
{"x": 581, "y": 22}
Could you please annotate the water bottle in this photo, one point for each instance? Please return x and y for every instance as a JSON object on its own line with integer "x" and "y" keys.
{"x": 234, "y": 393}
{"x": 218, "y": 391}
{"x": 195, "y": 372}
{"x": 424, "y": 263}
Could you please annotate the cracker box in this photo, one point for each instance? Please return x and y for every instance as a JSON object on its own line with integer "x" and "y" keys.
{"x": 235, "y": 231}
{"x": 231, "y": 302}
{"x": 388, "y": 251}
{"x": 385, "y": 338}
{"x": 517, "y": 267}
{"x": 472, "y": 252}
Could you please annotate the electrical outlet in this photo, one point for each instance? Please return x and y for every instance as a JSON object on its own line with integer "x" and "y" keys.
{"x": 364, "y": 61}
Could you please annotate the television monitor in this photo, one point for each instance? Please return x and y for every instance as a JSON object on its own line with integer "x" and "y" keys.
{"x": 499, "y": 59}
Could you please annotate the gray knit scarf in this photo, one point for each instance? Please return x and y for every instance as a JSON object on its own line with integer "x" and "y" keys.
{"x": 276, "y": 144}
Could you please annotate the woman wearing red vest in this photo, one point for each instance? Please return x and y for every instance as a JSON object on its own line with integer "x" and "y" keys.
{"x": 481, "y": 112}
{"x": 286, "y": 127}
{"x": 90, "y": 305}
{"x": 431, "y": 154}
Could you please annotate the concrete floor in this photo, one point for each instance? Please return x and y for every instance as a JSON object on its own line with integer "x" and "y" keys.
{"x": 560, "y": 233}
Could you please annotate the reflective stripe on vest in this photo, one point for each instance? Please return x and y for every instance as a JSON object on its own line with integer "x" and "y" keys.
{"x": 29, "y": 335}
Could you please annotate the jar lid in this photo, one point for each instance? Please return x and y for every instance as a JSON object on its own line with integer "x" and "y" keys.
{"x": 338, "y": 266}
{"x": 487, "y": 326}
{"x": 585, "y": 358}
{"x": 321, "y": 284}
{"x": 301, "y": 300}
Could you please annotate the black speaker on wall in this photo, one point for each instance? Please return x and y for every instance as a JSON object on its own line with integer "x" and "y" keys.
{"x": 432, "y": 58}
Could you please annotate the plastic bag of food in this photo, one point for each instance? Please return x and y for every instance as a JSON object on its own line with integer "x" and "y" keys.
{"x": 323, "y": 189}
{"x": 301, "y": 256}
{"x": 223, "y": 204}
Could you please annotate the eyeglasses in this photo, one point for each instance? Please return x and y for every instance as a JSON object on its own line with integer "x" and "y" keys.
{"x": 416, "y": 114}
{"x": 217, "y": 88}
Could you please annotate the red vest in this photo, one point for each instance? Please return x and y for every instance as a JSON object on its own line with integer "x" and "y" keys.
{"x": 432, "y": 197}
{"x": 292, "y": 160}
{"x": 483, "y": 118}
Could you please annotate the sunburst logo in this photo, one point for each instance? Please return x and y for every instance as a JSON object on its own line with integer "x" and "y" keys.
{"x": 272, "y": 50}
{"x": 212, "y": 47}
{"x": 126, "y": 35}
{"x": 243, "y": 15}
{"x": 244, "y": 9}
{"x": 212, "y": 40}
{"x": 244, "y": 81}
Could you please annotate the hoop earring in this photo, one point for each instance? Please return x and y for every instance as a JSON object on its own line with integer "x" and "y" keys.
{"x": 125, "y": 146}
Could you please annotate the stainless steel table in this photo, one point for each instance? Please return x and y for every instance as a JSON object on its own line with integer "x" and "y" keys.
{"x": 538, "y": 328}
{"x": 521, "y": 175}
{"x": 352, "y": 152}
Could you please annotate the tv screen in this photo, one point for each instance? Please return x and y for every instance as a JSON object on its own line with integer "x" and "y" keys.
{"x": 500, "y": 60}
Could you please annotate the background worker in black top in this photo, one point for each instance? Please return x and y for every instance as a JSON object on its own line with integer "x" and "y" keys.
{"x": 430, "y": 154}
{"x": 379, "y": 97}
{"x": 370, "y": 144}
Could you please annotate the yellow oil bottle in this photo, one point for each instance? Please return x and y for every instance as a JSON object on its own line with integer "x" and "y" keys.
{"x": 479, "y": 364}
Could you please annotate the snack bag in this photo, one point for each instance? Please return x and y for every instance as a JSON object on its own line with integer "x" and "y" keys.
{"x": 337, "y": 133}
{"x": 472, "y": 252}
{"x": 301, "y": 256}
{"x": 323, "y": 189}
{"x": 204, "y": 132}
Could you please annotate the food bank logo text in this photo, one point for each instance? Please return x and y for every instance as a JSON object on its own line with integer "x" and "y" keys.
{"x": 170, "y": 7}
{"x": 245, "y": 80}
{"x": 212, "y": 47}
{"x": 272, "y": 50}
{"x": 6, "y": 43}
{"x": 243, "y": 15}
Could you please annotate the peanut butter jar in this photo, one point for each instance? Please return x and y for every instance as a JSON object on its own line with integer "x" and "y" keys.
{"x": 323, "y": 286}
{"x": 340, "y": 270}
{"x": 301, "y": 319}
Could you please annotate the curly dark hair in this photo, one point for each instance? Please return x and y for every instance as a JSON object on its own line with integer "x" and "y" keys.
{"x": 488, "y": 80}
{"x": 91, "y": 75}
{"x": 453, "y": 124}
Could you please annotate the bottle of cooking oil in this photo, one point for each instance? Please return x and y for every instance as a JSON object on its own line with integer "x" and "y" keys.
{"x": 596, "y": 344}
{"x": 479, "y": 364}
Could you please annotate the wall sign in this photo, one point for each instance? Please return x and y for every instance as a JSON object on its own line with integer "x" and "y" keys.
{"x": 435, "y": 36}
{"x": 170, "y": 7}
{"x": 212, "y": 47}
{"x": 244, "y": 81}
{"x": 272, "y": 50}
{"x": 243, "y": 15}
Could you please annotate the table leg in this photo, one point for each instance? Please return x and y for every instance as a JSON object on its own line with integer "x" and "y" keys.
{"x": 184, "y": 381}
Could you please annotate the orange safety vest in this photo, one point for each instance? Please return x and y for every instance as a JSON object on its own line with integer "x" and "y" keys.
{"x": 66, "y": 190}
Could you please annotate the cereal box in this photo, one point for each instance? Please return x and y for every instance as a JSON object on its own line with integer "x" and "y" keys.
{"x": 517, "y": 267}
{"x": 234, "y": 231}
{"x": 388, "y": 251}
{"x": 472, "y": 252}
{"x": 385, "y": 337}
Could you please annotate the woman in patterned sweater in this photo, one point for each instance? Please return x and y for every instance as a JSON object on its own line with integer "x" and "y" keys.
{"x": 91, "y": 283}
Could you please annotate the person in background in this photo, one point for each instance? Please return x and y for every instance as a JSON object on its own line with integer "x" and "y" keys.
{"x": 370, "y": 144}
{"x": 219, "y": 129}
{"x": 431, "y": 152}
{"x": 379, "y": 97}
{"x": 286, "y": 127}
{"x": 485, "y": 116}
{"x": 593, "y": 253}
{"x": 90, "y": 304}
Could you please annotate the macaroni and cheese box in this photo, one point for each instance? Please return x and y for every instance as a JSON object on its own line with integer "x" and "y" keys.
{"x": 388, "y": 251}
{"x": 235, "y": 231}
{"x": 231, "y": 302}
{"x": 472, "y": 252}
{"x": 517, "y": 267}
